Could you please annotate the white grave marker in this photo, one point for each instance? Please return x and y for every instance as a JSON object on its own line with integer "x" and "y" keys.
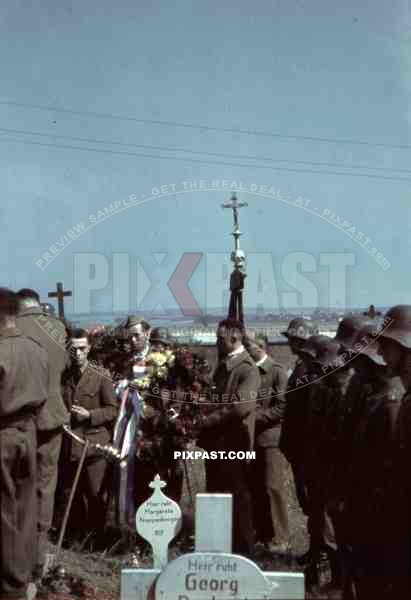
{"x": 209, "y": 576}
{"x": 158, "y": 520}
{"x": 210, "y": 573}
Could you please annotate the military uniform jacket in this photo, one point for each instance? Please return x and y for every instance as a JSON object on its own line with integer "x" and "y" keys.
{"x": 271, "y": 402}
{"x": 231, "y": 424}
{"x": 23, "y": 377}
{"x": 403, "y": 444}
{"x": 372, "y": 499}
{"x": 95, "y": 393}
{"x": 295, "y": 414}
{"x": 51, "y": 334}
{"x": 324, "y": 437}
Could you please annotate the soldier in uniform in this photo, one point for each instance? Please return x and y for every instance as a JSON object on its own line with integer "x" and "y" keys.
{"x": 50, "y": 333}
{"x": 292, "y": 429}
{"x": 24, "y": 382}
{"x": 298, "y": 332}
{"x": 230, "y": 427}
{"x": 269, "y": 473}
{"x": 324, "y": 450}
{"x": 91, "y": 400}
{"x": 375, "y": 400}
{"x": 395, "y": 347}
{"x": 347, "y": 335}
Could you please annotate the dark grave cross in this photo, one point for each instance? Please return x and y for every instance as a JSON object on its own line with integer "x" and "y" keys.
{"x": 372, "y": 312}
{"x": 60, "y": 294}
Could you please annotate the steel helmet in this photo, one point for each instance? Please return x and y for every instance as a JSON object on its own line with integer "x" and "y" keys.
{"x": 328, "y": 354}
{"x": 321, "y": 348}
{"x": 397, "y": 325}
{"x": 48, "y": 309}
{"x": 348, "y": 329}
{"x": 324, "y": 351}
{"x": 365, "y": 341}
{"x": 300, "y": 329}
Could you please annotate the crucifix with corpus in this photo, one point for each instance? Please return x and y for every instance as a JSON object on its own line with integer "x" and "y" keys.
{"x": 236, "y": 310}
{"x": 60, "y": 294}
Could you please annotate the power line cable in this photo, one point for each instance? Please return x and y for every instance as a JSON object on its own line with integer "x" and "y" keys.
{"x": 182, "y": 124}
{"x": 202, "y": 152}
{"x": 203, "y": 162}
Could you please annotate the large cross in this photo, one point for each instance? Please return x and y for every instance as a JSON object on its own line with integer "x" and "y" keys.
{"x": 236, "y": 310}
{"x": 60, "y": 294}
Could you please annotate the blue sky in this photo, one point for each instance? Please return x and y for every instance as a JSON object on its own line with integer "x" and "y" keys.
{"x": 93, "y": 102}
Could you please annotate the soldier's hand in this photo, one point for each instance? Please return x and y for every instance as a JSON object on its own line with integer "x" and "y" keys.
{"x": 80, "y": 413}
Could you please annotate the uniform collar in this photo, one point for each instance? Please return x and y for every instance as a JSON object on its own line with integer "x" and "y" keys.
{"x": 30, "y": 309}
{"x": 238, "y": 350}
{"x": 261, "y": 362}
{"x": 236, "y": 357}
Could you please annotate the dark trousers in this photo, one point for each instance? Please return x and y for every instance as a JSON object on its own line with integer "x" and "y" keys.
{"x": 18, "y": 501}
{"x": 269, "y": 493}
{"x": 89, "y": 504}
{"x": 378, "y": 549}
{"x": 377, "y": 571}
{"x": 48, "y": 453}
{"x": 300, "y": 486}
{"x": 319, "y": 523}
{"x": 232, "y": 477}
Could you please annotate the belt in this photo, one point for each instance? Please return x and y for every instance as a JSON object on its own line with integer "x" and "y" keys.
{"x": 85, "y": 431}
{"x": 24, "y": 415}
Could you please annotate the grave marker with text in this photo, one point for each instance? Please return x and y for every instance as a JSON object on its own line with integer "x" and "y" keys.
{"x": 158, "y": 520}
{"x": 210, "y": 576}
{"x": 211, "y": 572}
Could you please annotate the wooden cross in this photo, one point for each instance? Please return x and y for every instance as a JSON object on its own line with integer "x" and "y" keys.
{"x": 372, "y": 313}
{"x": 60, "y": 294}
